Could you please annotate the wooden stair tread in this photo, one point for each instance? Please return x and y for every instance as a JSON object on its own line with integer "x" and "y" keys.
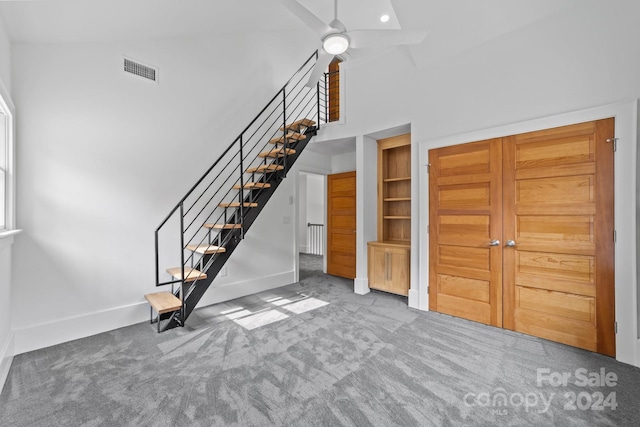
{"x": 206, "y": 249}
{"x": 291, "y": 136}
{"x": 299, "y": 124}
{"x": 253, "y": 185}
{"x": 266, "y": 168}
{"x": 237, "y": 205}
{"x": 281, "y": 152}
{"x": 223, "y": 226}
{"x": 163, "y": 302}
{"x": 191, "y": 274}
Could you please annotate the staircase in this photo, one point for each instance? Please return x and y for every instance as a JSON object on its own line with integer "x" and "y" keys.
{"x": 202, "y": 231}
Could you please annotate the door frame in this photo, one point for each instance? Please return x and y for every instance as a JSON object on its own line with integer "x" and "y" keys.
{"x": 298, "y": 171}
{"x": 626, "y": 280}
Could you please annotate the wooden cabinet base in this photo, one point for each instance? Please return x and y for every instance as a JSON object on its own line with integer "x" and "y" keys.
{"x": 389, "y": 267}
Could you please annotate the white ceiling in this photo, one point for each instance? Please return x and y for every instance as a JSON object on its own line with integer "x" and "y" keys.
{"x": 47, "y": 21}
{"x": 333, "y": 147}
{"x": 454, "y": 25}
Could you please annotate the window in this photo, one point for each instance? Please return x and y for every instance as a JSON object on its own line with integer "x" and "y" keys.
{"x": 4, "y": 191}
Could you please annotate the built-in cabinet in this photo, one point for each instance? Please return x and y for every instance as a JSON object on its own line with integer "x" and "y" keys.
{"x": 389, "y": 257}
{"x": 389, "y": 267}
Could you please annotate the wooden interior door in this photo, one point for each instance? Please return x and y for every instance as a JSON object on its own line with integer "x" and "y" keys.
{"x": 465, "y": 198}
{"x": 341, "y": 225}
{"x": 558, "y": 212}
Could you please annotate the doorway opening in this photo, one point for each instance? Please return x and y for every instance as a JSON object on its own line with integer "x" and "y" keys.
{"x": 311, "y": 224}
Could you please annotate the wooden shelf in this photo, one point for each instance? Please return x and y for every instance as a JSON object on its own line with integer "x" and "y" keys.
{"x": 394, "y": 188}
{"x": 398, "y": 199}
{"x": 388, "y": 259}
{"x": 404, "y": 178}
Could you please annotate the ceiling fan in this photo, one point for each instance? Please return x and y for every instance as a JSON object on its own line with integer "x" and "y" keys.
{"x": 336, "y": 39}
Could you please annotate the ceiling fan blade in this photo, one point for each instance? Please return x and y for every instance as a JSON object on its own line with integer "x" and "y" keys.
{"x": 324, "y": 59}
{"x": 384, "y": 38}
{"x": 306, "y": 16}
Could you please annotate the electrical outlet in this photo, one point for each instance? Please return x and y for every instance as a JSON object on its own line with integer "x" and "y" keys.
{"x": 223, "y": 272}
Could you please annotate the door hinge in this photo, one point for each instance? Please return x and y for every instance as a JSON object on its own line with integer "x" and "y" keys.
{"x": 615, "y": 143}
{"x": 616, "y": 326}
{"x": 615, "y": 236}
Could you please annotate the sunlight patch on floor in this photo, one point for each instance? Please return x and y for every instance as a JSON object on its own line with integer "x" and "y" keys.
{"x": 261, "y": 318}
{"x": 305, "y": 305}
{"x": 256, "y": 317}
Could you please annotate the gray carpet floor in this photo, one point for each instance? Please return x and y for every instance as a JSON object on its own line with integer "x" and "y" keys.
{"x": 315, "y": 354}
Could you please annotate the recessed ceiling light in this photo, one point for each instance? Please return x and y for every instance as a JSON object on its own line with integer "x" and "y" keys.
{"x": 384, "y": 18}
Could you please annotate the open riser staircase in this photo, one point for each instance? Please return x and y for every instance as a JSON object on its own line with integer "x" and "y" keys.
{"x": 199, "y": 235}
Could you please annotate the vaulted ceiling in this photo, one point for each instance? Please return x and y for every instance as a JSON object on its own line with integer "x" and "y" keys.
{"x": 454, "y": 25}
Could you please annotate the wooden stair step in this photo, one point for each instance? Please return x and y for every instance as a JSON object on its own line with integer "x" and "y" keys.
{"x": 237, "y": 205}
{"x": 299, "y": 124}
{"x": 223, "y": 226}
{"x": 164, "y": 302}
{"x": 191, "y": 274}
{"x": 265, "y": 168}
{"x": 277, "y": 153}
{"x": 206, "y": 249}
{"x": 291, "y": 137}
{"x": 253, "y": 185}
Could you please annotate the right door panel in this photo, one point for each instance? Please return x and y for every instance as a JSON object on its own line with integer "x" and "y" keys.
{"x": 558, "y": 211}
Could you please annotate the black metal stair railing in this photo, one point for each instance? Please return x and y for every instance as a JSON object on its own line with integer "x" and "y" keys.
{"x": 199, "y": 234}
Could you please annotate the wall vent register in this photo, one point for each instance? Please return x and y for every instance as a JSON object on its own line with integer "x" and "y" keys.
{"x": 140, "y": 70}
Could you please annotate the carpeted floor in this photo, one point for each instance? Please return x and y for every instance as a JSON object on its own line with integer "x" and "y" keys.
{"x": 310, "y": 265}
{"x": 315, "y": 354}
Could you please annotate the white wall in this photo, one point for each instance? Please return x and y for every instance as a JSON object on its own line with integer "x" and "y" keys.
{"x": 315, "y": 199}
{"x": 6, "y": 334}
{"x": 343, "y": 162}
{"x": 564, "y": 63}
{"x": 104, "y": 156}
{"x": 5, "y": 56}
{"x": 366, "y": 207}
{"x": 303, "y": 240}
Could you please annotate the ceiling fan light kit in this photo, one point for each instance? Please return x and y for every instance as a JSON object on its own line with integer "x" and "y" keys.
{"x": 336, "y": 39}
{"x": 336, "y": 44}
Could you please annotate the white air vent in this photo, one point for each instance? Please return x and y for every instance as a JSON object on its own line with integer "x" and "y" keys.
{"x": 141, "y": 70}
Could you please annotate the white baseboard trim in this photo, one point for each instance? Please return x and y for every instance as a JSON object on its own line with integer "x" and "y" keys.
{"x": 72, "y": 328}
{"x": 361, "y": 286}
{"x": 414, "y": 299}
{"x": 6, "y": 358}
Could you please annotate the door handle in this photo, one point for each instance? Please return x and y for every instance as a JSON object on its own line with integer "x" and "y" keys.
{"x": 494, "y": 243}
{"x": 511, "y": 243}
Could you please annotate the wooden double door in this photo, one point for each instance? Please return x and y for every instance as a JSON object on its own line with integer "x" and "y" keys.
{"x": 522, "y": 236}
